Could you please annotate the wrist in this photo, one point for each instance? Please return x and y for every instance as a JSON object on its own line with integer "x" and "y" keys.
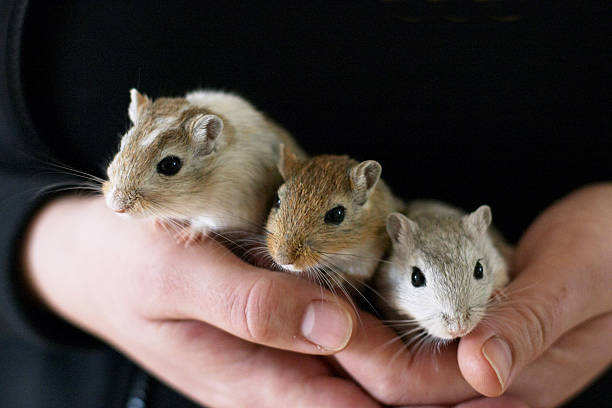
{"x": 50, "y": 252}
{"x": 41, "y": 317}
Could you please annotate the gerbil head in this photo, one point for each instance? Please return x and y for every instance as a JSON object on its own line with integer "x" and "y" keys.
{"x": 322, "y": 211}
{"x": 161, "y": 157}
{"x": 441, "y": 273}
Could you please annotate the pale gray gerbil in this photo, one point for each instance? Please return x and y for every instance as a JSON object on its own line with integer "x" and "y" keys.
{"x": 443, "y": 267}
{"x": 207, "y": 160}
{"x": 330, "y": 217}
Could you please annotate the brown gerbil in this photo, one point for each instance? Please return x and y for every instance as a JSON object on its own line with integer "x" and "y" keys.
{"x": 329, "y": 218}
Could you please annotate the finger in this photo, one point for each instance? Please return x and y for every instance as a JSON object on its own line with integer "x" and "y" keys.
{"x": 220, "y": 370}
{"x": 207, "y": 283}
{"x": 395, "y": 374}
{"x": 564, "y": 280}
{"x": 500, "y": 402}
{"x": 568, "y": 366}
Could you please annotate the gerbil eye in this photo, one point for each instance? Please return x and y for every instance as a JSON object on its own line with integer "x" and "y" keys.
{"x": 418, "y": 279}
{"x": 335, "y": 215}
{"x": 277, "y": 202}
{"x": 478, "y": 270}
{"x": 169, "y": 165}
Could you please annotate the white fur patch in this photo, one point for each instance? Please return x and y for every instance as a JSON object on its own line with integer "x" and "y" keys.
{"x": 110, "y": 197}
{"x": 150, "y": 138}
{"x": 207, "y": 222}
{"x": 126, "y": 138}
{"x": 291, "y": 268}
{"x": 166, "y": 122}
{"x": 162, "y": 125}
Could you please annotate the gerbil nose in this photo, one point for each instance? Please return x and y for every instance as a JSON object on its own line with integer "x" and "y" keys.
{"x": 287, "y": 254}
{"x": 458, "y": 332}
{"x": 285, "y": 258}
{"x": 118, "y": 202}
{"x": 120, "y": 206}
{"x": 457, "y": 324}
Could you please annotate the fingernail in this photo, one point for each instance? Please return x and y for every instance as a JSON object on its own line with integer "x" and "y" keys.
{"x": 327, "y": 325}
{"x": 498, "y": 354}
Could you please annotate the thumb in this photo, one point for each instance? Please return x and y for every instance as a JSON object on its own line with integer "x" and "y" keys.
{"x": 209, "y": 284}
{"x": 538, "y": 307}
{"x": 563, "y": 263}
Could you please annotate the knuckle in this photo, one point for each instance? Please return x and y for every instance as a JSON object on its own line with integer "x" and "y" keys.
{"x": 543, "y": 400}
{"x": 387, "y": 388}
{"x": 252, "y": 310}
{"x": 538, "y": 329}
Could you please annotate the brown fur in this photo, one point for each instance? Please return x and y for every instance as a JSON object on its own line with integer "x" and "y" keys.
{"x": 170, "y": 190}
{"x": 297, "y": 233}
{"x": 228, "y": 186}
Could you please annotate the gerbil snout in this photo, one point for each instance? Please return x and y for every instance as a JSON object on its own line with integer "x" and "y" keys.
{"x": 457, "y": 324}
{"x": 294, "y": 256}
{"x": 289, "y": 256}
{"x": 118, "y": 201}
{"x": 286, "y": 255}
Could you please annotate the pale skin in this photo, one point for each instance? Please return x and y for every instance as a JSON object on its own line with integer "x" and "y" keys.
{"x": 227, "y": 334}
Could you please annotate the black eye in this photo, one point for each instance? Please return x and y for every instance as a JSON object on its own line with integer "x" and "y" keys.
{"x": 277, "y": 202}
{"x": 418, "y": 279}
{"x": 335, "y": 215}
{"x": 478, "y": 271}
{"x": 169, "y": 165}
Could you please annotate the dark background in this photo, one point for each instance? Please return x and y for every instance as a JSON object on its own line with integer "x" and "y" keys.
{"x": 498, "y": 102}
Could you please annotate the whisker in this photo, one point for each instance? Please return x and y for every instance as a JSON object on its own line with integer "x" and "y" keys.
{"x": 348, "y": 254}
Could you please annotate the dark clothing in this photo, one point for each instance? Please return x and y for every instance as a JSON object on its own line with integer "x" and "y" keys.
{"x": 505, "y": 103}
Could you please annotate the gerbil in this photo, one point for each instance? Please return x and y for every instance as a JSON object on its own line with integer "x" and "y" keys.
{"x": 207, "y": 160}
{"x": 330, "y": 217}
{"x": 443, "y": 268}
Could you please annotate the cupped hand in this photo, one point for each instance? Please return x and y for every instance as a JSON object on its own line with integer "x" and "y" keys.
{"x": 551, "y": 335}
{"x": 210, "y": 309}
{"x": 222, "y": 332}
{"x": 547, "y": 338}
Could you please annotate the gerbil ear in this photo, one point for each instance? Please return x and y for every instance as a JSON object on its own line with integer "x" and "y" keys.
{"x": 205, "y": 131}
{"x": 364, "y": 177}
{"x": 478, "y": 221}
{"x": 401, "y": 229}
{"x": 287, "y": 161}
{"x": 137, "y": 104}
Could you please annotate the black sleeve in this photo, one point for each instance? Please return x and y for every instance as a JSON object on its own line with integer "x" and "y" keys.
{"x": 20, "y": 315}
{"x": 25, "y": 185}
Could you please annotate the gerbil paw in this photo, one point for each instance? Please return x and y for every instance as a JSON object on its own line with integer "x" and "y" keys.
{"x": 188, "y": 237}
{"x": 181, "y": 231}
{"x": 162, "y": 225}
{"x": 168, "y": 224}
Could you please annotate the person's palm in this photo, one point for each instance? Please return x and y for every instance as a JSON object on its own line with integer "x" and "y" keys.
{"x": 556, "y": 320}
{"x": 197, "y": 317}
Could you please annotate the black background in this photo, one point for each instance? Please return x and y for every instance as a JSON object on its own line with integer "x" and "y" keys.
{"x": 500, "y": 102}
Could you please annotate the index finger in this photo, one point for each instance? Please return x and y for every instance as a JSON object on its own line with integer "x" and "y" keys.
{"x": 208, "y": 283}
{"x": 396, "y": 374}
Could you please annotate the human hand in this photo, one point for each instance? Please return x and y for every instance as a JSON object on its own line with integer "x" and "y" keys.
{"x": 196, "y": 317}
{"x": 551, "y": 335}
{"x": 555, "y": 317}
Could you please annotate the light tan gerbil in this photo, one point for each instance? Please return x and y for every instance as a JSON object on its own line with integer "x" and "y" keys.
{"x": 208, "y": 160}
{"x": 330, "y": 217}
